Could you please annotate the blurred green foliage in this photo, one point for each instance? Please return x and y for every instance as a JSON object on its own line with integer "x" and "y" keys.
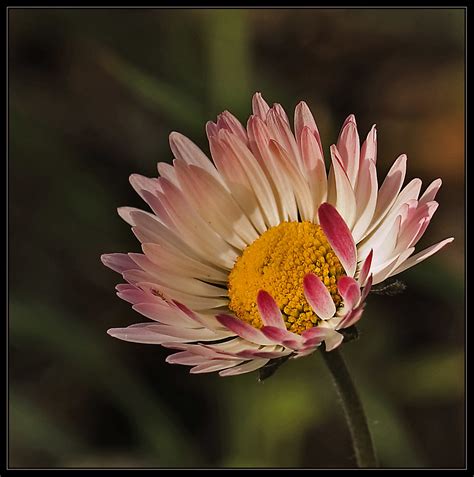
{"x": 93, "y": 95}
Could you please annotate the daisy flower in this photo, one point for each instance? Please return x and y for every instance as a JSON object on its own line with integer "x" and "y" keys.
{"x": 260, "y": 253}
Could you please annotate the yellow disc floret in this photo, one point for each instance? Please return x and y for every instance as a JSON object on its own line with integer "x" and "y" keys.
{"x": 277, "y": 262}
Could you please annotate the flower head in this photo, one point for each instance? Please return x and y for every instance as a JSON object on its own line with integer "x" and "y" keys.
{"x": 261, "y": 254}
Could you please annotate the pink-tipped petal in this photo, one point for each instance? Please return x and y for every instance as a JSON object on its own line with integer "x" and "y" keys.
{"x": 184, "y": 149}
{"x": 318, "y": 296}
{"x": 269, "y": 311}
{"x": 365, "y": 269}
{"x": 125, "y": 213}
{"x": 420, "y": 256}
{"x": 243, "y": 329}
{"x": 283, "y": 337}
{"x": 141, "y": 183}
{"x": 352, "y": 318}
{"x": 389, "y": 191}
{"x": 348, "y": 145}
{"x": 228, "y": 121}
{"x": 315, "y": 336}
{"x": 431, "y": 191}
{"x": 366, "y": 290}
{"x": 144, "y": 333}
{"x": 343, "y": 196}
{"x": 369, "y": 148}
{"x": 118, "y": 262}
{"x": 260, "y": 106}
{"x": 350, "y": 292}
{"x": 339, "y": 237}
{"x": 211, "y": 129}
{"x": 366, "y": 198}
{"x": 304, "y": 119}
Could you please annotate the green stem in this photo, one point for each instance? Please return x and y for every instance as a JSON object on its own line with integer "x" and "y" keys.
{"x": 353, "y": 410}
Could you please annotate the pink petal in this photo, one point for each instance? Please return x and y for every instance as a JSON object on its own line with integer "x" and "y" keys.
{"x": 348, "y": 145}
{"x": 227, "y": 120}
{"x": 214, "y": 365}
{"x": 318, "y": 296}
{"x": 184, "y": 149}
{"x": 125, "y": 214}
{"x": 163, "y": 313}
{"x": 181, "y": 333}
{"x": 255, "y": 174}
{"x": 244, "y": 368}
{"x": 186, "y": 358}
{"x": 313, "y": 161}
{"x": 237, "y": 181}
{"x": 269, "y": 311}
{"x": 369, "y": 148}
{"x": 389, "y": 190}
{"x": 385, "y": 270}
{"x": 431, "y": 191}
{"x": 168, "y": 171}
{"x": 366, "y": 290}
{"x": 366, "y": 197}
{"x": 315, "y": 336}
{"x": 282, "y": 133}
{"x": 141, "y": 183}
{"x": 339, "y": 237}
{"x": 160, "y": 211}
{"x": 250, "y": 354}
{"x": 211, "y": 129}
{"x": 304, "y": 119}
{"x": 118, "y": 262}
{"x": 141, "y": 334}
{"x": 260, "y": 144}
{"x": 315, "y": 332}
{"x": 243, "y": 329}
{"x": 298, "y": 182}
{"x": 259, "y": 106}
{"x": 365, "y": 269}
{"x": 309, "y": 347}
{"x": 350, "y": 292}
{"x": 352, "y": 318}
{"x": 133, "y": 294}
{"x": 344, "y": 193}
{"x": 283, "y": 337}
{"x": 420, "y": 256}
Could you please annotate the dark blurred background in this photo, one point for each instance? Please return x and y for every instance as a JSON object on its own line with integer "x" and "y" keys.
{"x": 93, "y": 96}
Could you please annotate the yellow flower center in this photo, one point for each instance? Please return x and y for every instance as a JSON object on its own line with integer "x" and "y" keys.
{"x": 277, "y": 262}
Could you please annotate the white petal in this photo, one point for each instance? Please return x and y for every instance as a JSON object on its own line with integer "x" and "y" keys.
{"x": 297, "y": 182}
{"x": 315, "y": 168}
{"x": 236, "y": 180}
{"x": 174, "y": 260}
{"x": 244, "y": 368}
{"x": 389, "y": 190}
{"x": 195, "y": 231}
{"x": 184, "y": 149}
{"x": 420, "y": 256}
{"x": 216, "y": 206}
{"x": 366, "y": 199}
{"x": 260, "y": 185}
{"x": 260, "y": 145}
{"x": 343, "y": 198}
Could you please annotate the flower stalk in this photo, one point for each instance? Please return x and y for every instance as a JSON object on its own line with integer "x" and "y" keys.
{"x": 353, "y": 410}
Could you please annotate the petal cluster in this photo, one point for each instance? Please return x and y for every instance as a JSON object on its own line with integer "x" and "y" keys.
{"x": 204, "y": 213}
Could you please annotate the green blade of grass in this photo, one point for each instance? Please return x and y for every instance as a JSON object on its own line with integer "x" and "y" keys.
{"x": 153, "y": 92}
